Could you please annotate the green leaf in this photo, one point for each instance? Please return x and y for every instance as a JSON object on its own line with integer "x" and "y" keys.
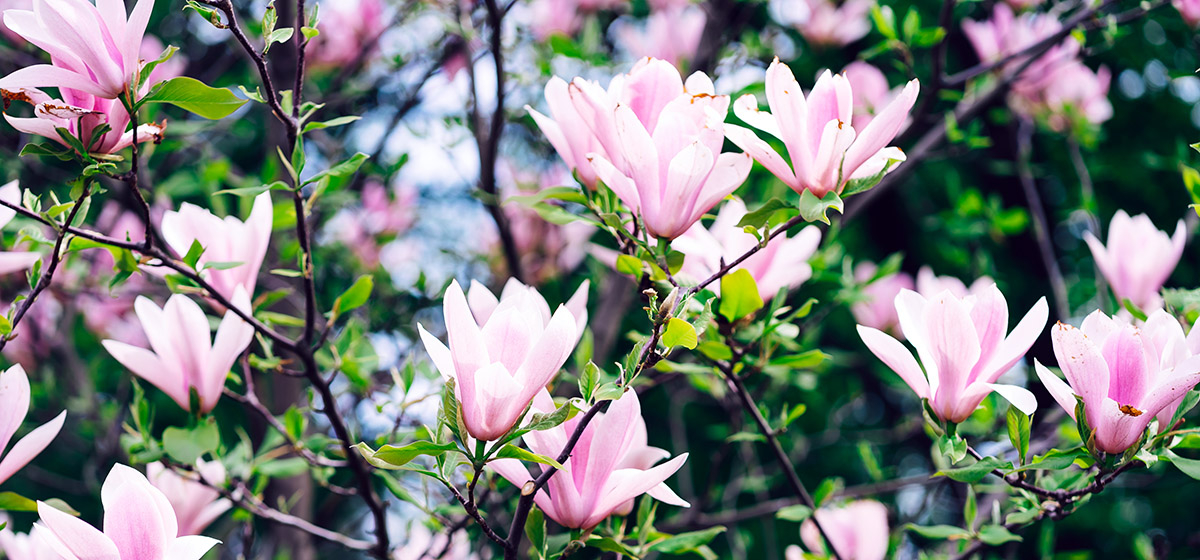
{"x": 938, "y": 532}
{"x": 760, "y": 217}
{"x": 245, "y": 192}
{"x": 283, "y": 468}
{"x": 1054, "y": 460}
{"x": 356, "y": 296}
{"x": 46, "y": 149}
{"x": 629, "y": 265}
{"x": 535, "y": 531}
{"x": 193, "y": 254}
{"x": 797, "y": 513}
{"x": 687, "y": 542}
{"x": 340, "y": 121}
{"x": 513, "y": 452}
{"x": 280, "y": 35}
{"x": 589, "y": 380}
{"x": 1018, "y": 432}
{"x": 680, "y": 333}
{"x": 1190, "y": 467}
{"x": 739, "y": 295}
{"x": 607, "y": 544}
{"x": 149, "y": 67}
{"x": 194, "y": 96}
{"x": 804, "y": 360}
{"x": 855, "y": 186}
{"x": 11, "y": 501}
{"x": 996, "y": 535}
{"x": 392, "y": 456}
{"x": 975, "y": 472}
{"x": 339, "y": 173}
{"x": 814, "y": 209}
{"x": 566, "y": 194}
{"x": 187, "y": 446}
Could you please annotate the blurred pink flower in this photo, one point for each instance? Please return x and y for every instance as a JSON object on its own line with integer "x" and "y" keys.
{"x": 930, "y": 284}
{"x": 671, "y": 33}
{"x": 139, "y": 524}
{"x": 1189, "y": 9}
{"x": 878, "y": 308}
{"x": 871, "y": 92}
{"x": 826, "y": 151}
{"x": 196, "y": 505}
{"x": 225, "y": 240}
{"x": 1114, "y": 369}
{"x": 564, "y": 17}
{"x": 110, "y": 311}
{"x": 150, "y": 50}
{"x": 503, "y": 351}
{"x": 1138, "y": 258}
{"x": 14, "y": 405}
{"x": 783, "y": 263}
{"x": 1077, "y": 95}
{"x": 964, "y": 348}
{"x": 183, "y": 356}
{"x": 380, "y": 216}
{"x": 662, "y": 143}
{"x": 422, "y": 544}
{"x": 94, "y": 47}
{"x": 825, "y": 23}
{"x": 610, "y": 467}
{"x": 22, "y": 546}
{"x": 859, "y": 531}
{"x": 547, "y": 250}
{"x": 349, "y": 32}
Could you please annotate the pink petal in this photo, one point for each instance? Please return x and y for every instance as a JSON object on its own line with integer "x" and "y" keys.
{"x": 72, "y": 538}
{"x": 882, "y": 129}
{"x": 30, "y": 446}
{"x": 1057, "y": 388}
{"x": 897, "y": 357}
{"x": 14, "y": 393}
{"x": 1082, "y": 364}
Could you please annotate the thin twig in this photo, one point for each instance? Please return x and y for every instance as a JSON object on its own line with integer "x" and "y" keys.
{"x": 1041, "y": 224}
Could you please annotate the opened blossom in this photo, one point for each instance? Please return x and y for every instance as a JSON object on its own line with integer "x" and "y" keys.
{"x": 502, "y": 351}
{"x": 857, "y": 531}
{"x": 14, "y": 405}
{"x": 349, "y": 32}
{"x": 196, "y": 504}
{"x": 1163, "y": 332}
{"x": 239, "y": 246}
{"x": 610, "y": 465}
{"x": 94, "y": 47}
{"x": 24, "y": 546}
{"x": 782, "y": 263}
{"x": 1138, "y": 258}
{"x": 825, "y": 150}
{"x": 1189, "y": 10}
{"x": 964, "y": 347}
{"x": 183, "y": 356}
{"x": 139, "y": 524}
{"x": 1121, "y": 376}
{"x": 671, "y": 33}
{"x": 81, "y": 113}
{"x": 662, "y": 143}
{"x": 877, "y": 307}
{"x": 825, "y": 23}
{"x": 930, "y": 284}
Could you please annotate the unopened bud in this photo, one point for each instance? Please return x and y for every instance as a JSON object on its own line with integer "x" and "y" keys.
{"x": 667, "y": 307}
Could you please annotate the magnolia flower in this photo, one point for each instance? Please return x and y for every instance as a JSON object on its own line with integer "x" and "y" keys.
{"x": 858, "y": 531}
{"x": 662, "y": 144}
{"x": 14, "y": 398}
{"x": 825, "y": 150}
{"x": 13, "y": 261}
{"x": 503, "y": 351}
{"x": 1163, "y": 331}
{"x": 139, "y": 524}
{"x": 547, "y": 249}
{"x": 359, "y": 229}
{"x": 94, "y": 47}
{"x": 1138, "y": 258}
{"x": 877, "y": 308}
{"x": 1006, "y": 34}
{"x": 6, "y": 5}
{"x": 825, "y": 23}
{"x": 1189, "y": 9}
{"x": 195, "y": 504}
{"x": 606, "y": 470}
{"x": 349, "y": 31}
{"x": 1076, "y": 93}
{"x": 871, "y": 92}
{"x": 225, "y": 240}
{"x": 564, "y": 17}
{"x": 963, "y": 346}
{"x": 1118, "y": 373}
{"x": 573, "y": 142}
{"x": 930, "y": 284}
{"x": 22, "y": 546}
{"x": 671, "y": 34}
{"x": 183, "y": 356}
{"x": 80, "y": 113}
{"x": 783, "y": 263}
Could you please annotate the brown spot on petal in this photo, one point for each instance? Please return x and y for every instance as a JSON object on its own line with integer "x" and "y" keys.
{"x": 1131, "y": 411}
{"x": 10, "y": 96}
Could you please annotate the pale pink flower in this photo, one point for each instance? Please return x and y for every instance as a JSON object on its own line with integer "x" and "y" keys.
{"x": 1163, "y": 332}
{"x": 14, "y": 405}
{"x": 81, "y": 114}
{"x": 930, "y": 284}
{"x": 825, "y": 149}
{"x": 22, "y": 546}
{"x": 225, "y": 240}
{"x": 502, "y": 351}
{"x": 1077, "y": 94}
{"x": 783, "y": 263}
{"x": 1189, "y": 9}
{"x": 139, "y": 524}
{"x": 1023, "y": 4}
{"x": 13, "y": 261}
{"x": 825, "y": 23}
{"x": 94, "y": 47}
{"x": 878, "y": 308}
{"x": 183, "y": 356}
{"x": 964, "y": 348}
{"x": 662, "y": 143}
{"x": 547, "y": 249}
{"x": 195, "y": 503}
{"x": 565, "y": 130}
{"x": 380, "y": 215}
{"x": 858, "y": 531}
{"x": 1006, "y": 34}
{"x": 671, "y": 34}
{"x": 1138, "y": 258}
{"x": 349, "y": 32}
{"x": 605, "y": 471}
{"x": 1115, "y": 369}
{"x": 554, "y": 17}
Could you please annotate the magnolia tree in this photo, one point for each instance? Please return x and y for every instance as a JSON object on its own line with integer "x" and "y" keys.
{"x": 598, "y": 278}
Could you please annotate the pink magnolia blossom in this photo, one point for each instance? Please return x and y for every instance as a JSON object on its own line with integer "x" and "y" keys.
{"x": 671, "y": 34}
{"x": 930, "y": 284}
{"x": 825, "y": 150}
{"x": 1006, "y": 34}
{"x": 139, "y": 524}
{"x": 14, "y": 405}
{"x": 1119, "y": 373}
{"x": 1189, "y": 9}
{"x": 502, "y": 351}
{"x": 570, "y": 139}
{"x": 183, "y": 355}
{"x": 1077, "y": 93}
{"x": 6, "y": 5}
{"x": 547, "y": 250}
{"x": 858, "y": 531}
{"x": 95, "y": 47}
{"x": 610, "y": 466}
{"x": 1023, "y": 4}
{"x": 349, "y": 31}
{"x": 151, "y": 49}
{"x": 225, "y": 240}
{"x": 783, "y": 263}
{"x": 196, "y": 505}
{"x": 871, "y": 92}
{"x": 662, "y": 143}
{"x": 380, "y": 215}
{"x": 963, "y": 346}
{"x": 877, "y": 309}
{"x": 22, "y": 546}
{"x": 1138, "y": 258}
{"x": 825, "y": 23}
{"x": 80, "y": 113}
{"x": 13, "y": 261}
{"x": 564, "y": 17}
{"x": 1164, "y": 333}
